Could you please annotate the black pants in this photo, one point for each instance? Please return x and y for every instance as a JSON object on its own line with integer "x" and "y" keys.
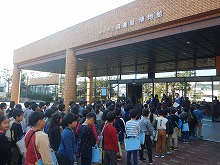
{"x": 86, "y": 157}
{"x": 62, "y": 160}
{"x": 16, "y": 157}
{"x": 148, "y": 143}
{"x": 110, "y": 157}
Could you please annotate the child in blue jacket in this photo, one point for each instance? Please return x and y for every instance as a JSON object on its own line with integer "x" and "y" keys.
{"x": 65, "y": 153}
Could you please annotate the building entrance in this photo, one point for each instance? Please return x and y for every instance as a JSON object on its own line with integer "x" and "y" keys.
{"x": 134, "y": 92}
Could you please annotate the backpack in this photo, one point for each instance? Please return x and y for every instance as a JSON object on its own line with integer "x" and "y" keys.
{"x": 174, "y": 120}
{"x": 170, "y": 127}
{"x": 192, "y": 118}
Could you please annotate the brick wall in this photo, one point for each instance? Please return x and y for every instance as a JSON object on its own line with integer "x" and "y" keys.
{"x": 99, "y": 28}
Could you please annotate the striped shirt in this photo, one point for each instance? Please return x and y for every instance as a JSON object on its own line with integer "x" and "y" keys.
{"x": 132, "y": 128}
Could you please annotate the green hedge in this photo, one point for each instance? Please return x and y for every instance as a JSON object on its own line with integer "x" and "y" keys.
{"x": 43, "y": 97}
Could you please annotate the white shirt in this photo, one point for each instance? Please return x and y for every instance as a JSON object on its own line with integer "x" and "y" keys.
{"x": 161, "y": 122}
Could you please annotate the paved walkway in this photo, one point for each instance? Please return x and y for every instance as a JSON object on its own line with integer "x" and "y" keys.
{"x": 211, "y": 130}
{"x": 197, "y": 152}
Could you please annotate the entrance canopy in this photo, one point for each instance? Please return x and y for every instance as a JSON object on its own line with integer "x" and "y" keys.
{"x": 192, "y": 50}
{"x": 161, "y": 51}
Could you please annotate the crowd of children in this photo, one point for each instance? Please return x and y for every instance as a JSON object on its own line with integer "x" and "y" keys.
{"x": 73, "y": 135}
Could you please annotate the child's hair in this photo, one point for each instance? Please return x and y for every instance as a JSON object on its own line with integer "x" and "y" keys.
{"x": 85, "y": 112}
{"x": 18, "y": 106}
{"x": 27, "y": 104}
{"x": 111, "y": 108}
{"x": 152, "y": 111}
{"x": 160, "y": 112}
{"x": 89, "y": 107}
{"x": 145, "y": 112}
{"x": 98, "y": 106}
{"x": 91, "y": 115}
{"x": 172, "y": 111}
{"x": 71, "y": 103}
{"x": 17, "y": 113}
{"x": 41, "y": 104}
{"x": 12, "y": 104}
{"x": 35, "y": 117}
{"x": 61, "y": 107}
{"x": 3, "y": 105}
{"x": 34, "y": 106}
{"x": 2, "y": 118}
{"x": 81, "y": 102}
{"x": 197, "y": 106}
{"x": 69, "y": 118}
{"x": 118, "y": 112}
{"x": 49, "y": 112}
{"x": 133, "y": 113}
{"x": 54, "y": 107}
{"x": 47, "y": 103}
{"x": 55, "y": 120}
{"x": 75, "y": 110}
{"x": 110, "y": 117}
{"x": 127, "y": 108}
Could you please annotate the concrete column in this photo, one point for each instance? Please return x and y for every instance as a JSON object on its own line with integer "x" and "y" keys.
{"x": 89, "y": 90}
{"x": 70, "y": 78}
{"x": 217, "y": 65}
{"x": 15, "y": 89}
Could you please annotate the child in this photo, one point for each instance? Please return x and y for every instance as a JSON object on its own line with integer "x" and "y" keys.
{"x": 161, "y": 127}
{"x": 174, "y": 137}
{"x": 119, "y": 125}
{"x": 192, "y": 123}
{"x": 127, "y": 113}
{"x": 169, "y": 131}
{"x": 16, "y": 135}
{"x": 27, "y": 106}
{"x": 185, "y": 128}
{"x": 87, "y": 139}
{"x": 5, "y": 148}
{"x": 65, "y": 153}
{"x": 99, "y": 117}
{"x": 61, "y": 109}
{"x": 132, "y": 129}
{"x": 48, "y": 115}
{"x": 199, "y": 116}
{"x": 3, "y": 107}
{"x": 82, "y": 120}
{"x": 54, "y": 131}
{"x": 36, "y": 141}
{"x": 110, "y": 141}
{"x": 146, "y": 127}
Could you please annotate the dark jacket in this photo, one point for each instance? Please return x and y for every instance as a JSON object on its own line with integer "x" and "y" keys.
{"x": 175, "y": 120}
{"x": 16, "y": 133}
{"x": 66, "y": 147}
{"x": 4, "y": 149}
{"x": 55, "y": 137}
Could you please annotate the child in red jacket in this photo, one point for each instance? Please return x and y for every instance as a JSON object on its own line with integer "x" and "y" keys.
{"x": 110, "y": 141}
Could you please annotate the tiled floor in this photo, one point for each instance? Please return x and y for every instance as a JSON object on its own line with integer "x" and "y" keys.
{"x": 197, "y": 152}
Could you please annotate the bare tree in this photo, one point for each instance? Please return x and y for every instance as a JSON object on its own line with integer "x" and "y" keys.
{"x": 6, "y": 74}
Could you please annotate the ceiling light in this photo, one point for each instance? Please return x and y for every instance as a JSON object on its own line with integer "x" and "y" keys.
{"x": 188, "y": 42}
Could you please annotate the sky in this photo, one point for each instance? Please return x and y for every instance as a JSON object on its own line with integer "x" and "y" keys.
{"x": 26, "y": 21}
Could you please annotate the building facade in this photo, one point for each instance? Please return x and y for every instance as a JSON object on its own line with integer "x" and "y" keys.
{"x": 140, "y": 37}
